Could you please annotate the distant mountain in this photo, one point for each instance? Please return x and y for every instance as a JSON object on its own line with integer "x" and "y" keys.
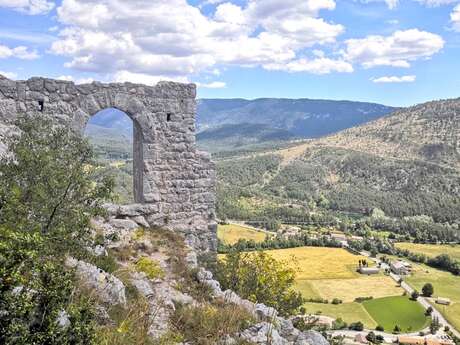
{"x": 234, "y": 136}
{"x": 113, "y": 119}
{"x": 304, "y": 118}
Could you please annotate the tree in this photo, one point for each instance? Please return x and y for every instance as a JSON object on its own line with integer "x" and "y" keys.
{"x": 48, "y": 184}
{"x": 427, "y": 290}
{"x": 414, "y": 295}
{"x": 429, "y": 311}
{"x": 356, "y": 326}
{"x": 371, "y": 337}
{"x": 380, "y": 328}
{"x": 435, "y": 325}
{"x": 397, "y": 329}
{"x": 47, "y": 198}
{"x": 260, "y": 278}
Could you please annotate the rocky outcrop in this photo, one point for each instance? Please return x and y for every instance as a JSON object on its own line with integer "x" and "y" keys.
{"x": 271, "y": 329}
{"x": 109, "y": 288}
{"x": 173, "y": 182}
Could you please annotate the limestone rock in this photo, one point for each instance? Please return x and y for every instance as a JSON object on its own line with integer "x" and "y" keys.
{"x": 109, "y": 288}
{"x": 263, "y": 333}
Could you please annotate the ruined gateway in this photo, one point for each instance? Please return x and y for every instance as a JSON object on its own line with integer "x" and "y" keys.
{"x": 174, "y": 183}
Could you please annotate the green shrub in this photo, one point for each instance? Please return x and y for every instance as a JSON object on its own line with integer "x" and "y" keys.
{"x": 260, "y": 278}
{"x": 150, "y": 267}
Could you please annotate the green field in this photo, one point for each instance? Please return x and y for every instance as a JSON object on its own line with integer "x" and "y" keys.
{"x": 331, "y": 273}
{"x": 432, "y": 250}
{"x": 398, "y": 310}
{"x": 231, "y": 233}
{"x": 349, "y": 312}
{"x": 445, "y": 285}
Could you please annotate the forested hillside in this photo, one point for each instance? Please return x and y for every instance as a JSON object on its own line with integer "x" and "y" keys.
{"x": 406, "y": 164}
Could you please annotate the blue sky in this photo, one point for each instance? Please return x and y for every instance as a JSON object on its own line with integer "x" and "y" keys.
{"x": 387, "y": 51}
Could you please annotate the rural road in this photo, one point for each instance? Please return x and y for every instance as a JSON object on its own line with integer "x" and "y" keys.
{"x": 422, "y": 300}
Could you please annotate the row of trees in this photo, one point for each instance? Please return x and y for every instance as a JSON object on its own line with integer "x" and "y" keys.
{"x": 280, "y": 242}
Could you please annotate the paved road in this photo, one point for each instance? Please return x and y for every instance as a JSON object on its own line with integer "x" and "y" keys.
{"x": 422, "y": 300}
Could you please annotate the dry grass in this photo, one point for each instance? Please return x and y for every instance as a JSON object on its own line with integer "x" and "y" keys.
{"x": 206, "y": 324}
{"x": 231, "y": 233}
{"x": 432, "y": 250}
{"x": 349, "y": 289}
{"x": 315, "y": 263}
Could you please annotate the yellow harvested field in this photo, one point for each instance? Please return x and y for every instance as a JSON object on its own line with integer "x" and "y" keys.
{"x": 432, "y": 250}
{"x": 315, "y": 263}
{"x": 231, "y": 233}
{"x": 348, "y": 289}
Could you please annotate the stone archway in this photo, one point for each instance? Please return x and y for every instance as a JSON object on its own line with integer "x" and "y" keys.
{"x": 174, "y": 183}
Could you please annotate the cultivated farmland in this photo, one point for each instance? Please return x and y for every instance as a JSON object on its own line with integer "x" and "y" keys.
{"x": 399, "y": 310}
{"x": 330, "y": 273}
{"x": 445, "y": 285}
{"x": 231, "y": 233}
{"x": 432, "y": 250}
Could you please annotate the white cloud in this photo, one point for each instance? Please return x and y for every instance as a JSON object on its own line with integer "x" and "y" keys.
{"x": 455, "y": 18}
{"x": 77, "y": 80}
{"x": 171, "y": 38}
{"x": 435, "y": 3}
{"x": 212, "y": 85}
{"x": 397, "y": 50}
{"x": 392, "y": 4}
{"x": 146, "y": 79}
{"x": 394, "y": 79}
{"x": 9, "y": 75}
{"x": 19, "y": 52}
{"x": 32, "y": 7}
{"x": 319, "y": 65}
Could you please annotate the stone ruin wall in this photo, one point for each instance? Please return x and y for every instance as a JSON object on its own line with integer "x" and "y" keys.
{"x": 174, "y": 183}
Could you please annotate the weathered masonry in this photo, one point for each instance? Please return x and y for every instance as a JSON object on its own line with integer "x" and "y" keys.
{"x": 173, "y": 182}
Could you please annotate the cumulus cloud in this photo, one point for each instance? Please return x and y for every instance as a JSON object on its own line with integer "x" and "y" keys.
{"x": 212, "y": 85}
{"x": 397, "y": 50}
{"x": 392, "y": 4}
{"x": 75, "y": 80}
{"x": 146, "y": 79}
{"x": 319, "y": 65}
{"x": 31, "y": 7}
{"x": 455, "y": 18}
{"x": 9, "y": 75}
{"x": 394, "y": 79}
{"x": 436, "y": 3}
{"x": 19, "y": 52}
{"x": 171, "y": 38}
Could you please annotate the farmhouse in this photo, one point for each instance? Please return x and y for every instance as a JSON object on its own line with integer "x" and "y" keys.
{"x": 400, "y": 267}
{"x": 443, "y": 301}
{"x": 368, "y": 270}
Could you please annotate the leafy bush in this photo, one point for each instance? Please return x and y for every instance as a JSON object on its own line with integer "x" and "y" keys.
{"x": 260, "y": 278}
{"x": 356, "y": 326}
{"x": 428, "y": 290}
{"x": 150, "y": 267}
{"x": 47, "y": 198}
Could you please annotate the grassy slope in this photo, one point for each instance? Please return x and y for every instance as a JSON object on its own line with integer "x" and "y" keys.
{"x": 400, "y": 310}
{"x": 432, "y": 250}
{"x": 445, "y": 285}
{"x": 230, "y": 234}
